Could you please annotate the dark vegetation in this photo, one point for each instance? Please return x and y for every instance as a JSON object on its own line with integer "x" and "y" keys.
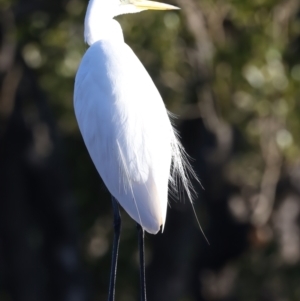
{"x": 231, "y": 70}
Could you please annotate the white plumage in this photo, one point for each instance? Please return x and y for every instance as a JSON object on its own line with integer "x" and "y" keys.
{"x": 123, "y": 120}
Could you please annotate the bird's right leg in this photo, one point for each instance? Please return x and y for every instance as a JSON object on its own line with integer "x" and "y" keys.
{"x": 117, "y": 232}
{"x": 141, "y": 234}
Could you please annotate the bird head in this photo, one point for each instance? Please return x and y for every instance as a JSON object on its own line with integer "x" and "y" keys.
{"x": 99, "y": 14}
{"x": 135, "y": 6}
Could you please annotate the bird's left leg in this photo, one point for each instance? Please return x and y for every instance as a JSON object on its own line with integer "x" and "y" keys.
{"x": 117, "y": 232}
{"x": 142, "y": 262}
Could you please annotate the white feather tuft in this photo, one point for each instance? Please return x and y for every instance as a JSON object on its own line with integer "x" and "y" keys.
{"x": 182, "y": 173}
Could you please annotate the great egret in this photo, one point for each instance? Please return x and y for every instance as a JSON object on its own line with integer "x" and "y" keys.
{"x": 125, "y": 125}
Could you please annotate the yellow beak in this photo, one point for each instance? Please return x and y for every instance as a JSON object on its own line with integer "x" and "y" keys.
{"x": 145, "y": 4}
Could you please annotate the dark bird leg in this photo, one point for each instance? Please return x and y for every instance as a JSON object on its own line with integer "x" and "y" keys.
{"x": 117, "y": 232}
{"x": 142, "y": 262}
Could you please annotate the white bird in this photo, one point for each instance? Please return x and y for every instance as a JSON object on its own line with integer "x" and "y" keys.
{"x": 125, "y": 125}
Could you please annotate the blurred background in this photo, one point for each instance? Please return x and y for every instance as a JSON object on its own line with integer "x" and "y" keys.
{"x": 230, "y": 70}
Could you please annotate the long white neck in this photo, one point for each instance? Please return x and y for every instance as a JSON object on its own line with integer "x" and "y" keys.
{"x": 99, "y": 23}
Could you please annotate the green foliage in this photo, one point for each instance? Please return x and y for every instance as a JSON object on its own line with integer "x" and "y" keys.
{"x": 254, "y": 77}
